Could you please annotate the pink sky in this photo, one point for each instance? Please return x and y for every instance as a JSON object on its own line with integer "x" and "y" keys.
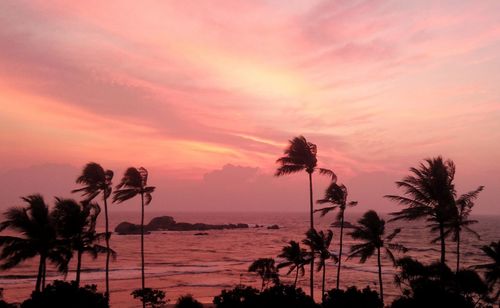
{"x": 207, "y": 96}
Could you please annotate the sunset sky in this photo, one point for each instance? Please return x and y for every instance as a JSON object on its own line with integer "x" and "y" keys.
{"x": 205, "y": 95}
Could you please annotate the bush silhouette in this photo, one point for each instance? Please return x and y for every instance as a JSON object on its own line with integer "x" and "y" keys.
{"x": 187, "y": 301}
{"x": 62, "y": 294}
{"x": 352, "y": 298}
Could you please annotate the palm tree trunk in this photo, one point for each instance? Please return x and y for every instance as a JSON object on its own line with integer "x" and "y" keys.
{"x": 458, "y": 251}
{"x": 323, "y": 282}
{"x": 107, "y": 244}
{"x": 340, "y": 249}
{"x": 78, "y": 268}
{"x": 443, "y": 247}
{"x": 44, "y": 273}
{"x": 40, "y": 273}
{"x": 296, "y": 277}
{"x": 142, "y": 249}
{"x": 311, "y": 218}
{"x": 380, "y": 275}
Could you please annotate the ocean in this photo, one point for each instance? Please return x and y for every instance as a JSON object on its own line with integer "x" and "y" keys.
{"x": 182, "y": 262}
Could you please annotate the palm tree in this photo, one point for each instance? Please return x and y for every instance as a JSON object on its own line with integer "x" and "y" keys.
{"x": 266, "y": 269}
{"x": 76, "y": 224}
{"x": 429, "y": 193}
{"x": 319, "y": 242}
{"x": 337, "y": 196}
{"x": 300, "y": 155}
{"x": 38, "y": 238}
{"x": 492, "y": 274}
{"x": 295, "y": 259}
{"x": 461, "y": 221}
{"x": 133, "y": 183}
{"x": 371, "y": 230}
{"x": 96, "y": 180}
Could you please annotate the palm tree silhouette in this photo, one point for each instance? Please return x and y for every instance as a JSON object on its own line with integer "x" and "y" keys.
{"x": 320, "y": 244}
{"x": 96, "y": 180}
{"x": 371, "y": 230}
{"x": 266, "y": 269}
{"x": 429, "y": 193}
{"x": 492, "y": 274}
{"x": 300, "y": 155}
{"x": 461, "y": 221}
{"x": 35, "y": 223}
{"x": 337, "y": 195}
{"x": 133, "y": 183}
{"x": 295, "y": 259}
{"x": 76, "y": 224}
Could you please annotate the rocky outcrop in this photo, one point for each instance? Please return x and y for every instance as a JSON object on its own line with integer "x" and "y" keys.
{"x": 273, "y": 227}
{"x": 167, "y": 223}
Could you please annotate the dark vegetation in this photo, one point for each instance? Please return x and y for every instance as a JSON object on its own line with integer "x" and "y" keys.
{"x": 55, "y": 235}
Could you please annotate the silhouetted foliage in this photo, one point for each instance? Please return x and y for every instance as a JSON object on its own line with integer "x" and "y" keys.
{"x": 352, "y": 298}
{"x": 371, "y": 229}
{"x": 429, "y": 193}
{"x": 153, "y": 298}
{"x": 300, "y": 155}
{"x": 4, "y": 304}
{"x": 62, "y": 294}
{"x": 435, "y": 285}
{"x": 35, "y": 223}
{"x": 295, "y": 259}
{"x": 95, "y": 181}
{"x": 266, "y": 269}
{"x": 187, "y": 301}
{"x": 278, "y": 296}
{"x": 319, "y": 242}
{"x": 337, "y": 196}
{"x": 76, "y": 224}
{"x": 492, "y": 269}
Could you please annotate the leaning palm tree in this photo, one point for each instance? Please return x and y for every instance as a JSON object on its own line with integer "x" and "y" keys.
{"x": 300, "y": 155}
{"x": 95, "y": 181}
{"x": 492, "y": 274}
{"x": 337, "y": 196}
{"x": 319, "y": 242}
{"x": 266, "y": 269}
{"x": 76, "y": 224}
{"x": 461, "y": 221}
{"x": 133, "y": 183}
{"x": 371, "y": 229}
{"x": 429, "y": 193}
{"x": 295, "y": 259}
{"x": 38, "y": 238}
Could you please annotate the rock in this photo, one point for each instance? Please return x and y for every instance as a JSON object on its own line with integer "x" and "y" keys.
{"x": 160, "y": 223}
{"x": 129, "y": 228}
{"x": 167, "y": 223}
{"x": 273, "y": 227}
{"x": 201, "y": 233}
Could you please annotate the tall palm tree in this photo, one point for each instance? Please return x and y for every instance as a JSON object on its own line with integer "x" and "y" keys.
{"x": 133, "y": 183}
{"x": 429, "y": 193}
{"x": 95, "y": 181}
{"x": 319, "y": 242}
{"x": 266, "y": 269}
{"x": 300, "y": 155}
{"x": 492, "y": 274}
{"x": 337, "y": 196}
{"x": 38, "y": 238}
{"x": 371, "y": 229}
{"x": 295, "y": 259}
{"x": 76, "y": 224}
{"x": 461, "y": 221}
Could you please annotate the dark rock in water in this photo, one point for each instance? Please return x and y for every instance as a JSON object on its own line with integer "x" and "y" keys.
{"x": 129, "y": 228}
{"x": 347, "y": 225}
{"x": 273, "y": 227}
{"x": 167, "y": 223}
{"x": 201, "y": 233}
{"x": 160, "y": 223}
